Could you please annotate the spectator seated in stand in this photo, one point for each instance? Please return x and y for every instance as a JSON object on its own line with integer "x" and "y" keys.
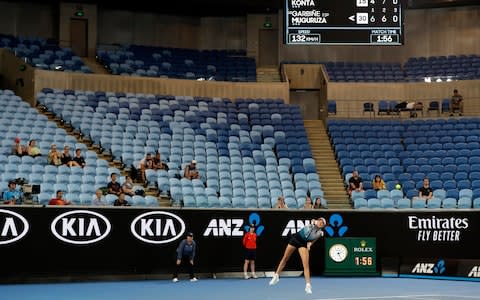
{"x": 308, "y": 203}
{"x": 378, "y": 183}
{"x": 456, "y": 103}
{"x": 145, "y": 163}
{"x": 32, "y": 149}
{"x": 355, "y": 183}
{"x": 318, "y": 203}
{"x": 127, "y": 186}
{"x": 280, "y": 203}
{"x": 17, "y": 148}
{"x": 121, "y": 201}
{"x": 58, "y": 200}
{"x": 11, "y": 195}
{"x": 158, "y": 163}
{"x": 79, "y": 158}
{"x": 113, "y": 186}
{"x": 425, "y": 192}
{"x": 67, "y": 159}
{"x": 54, "y": 156}
{"x": 99, "y": 199}
{"x": 191, "y": 171}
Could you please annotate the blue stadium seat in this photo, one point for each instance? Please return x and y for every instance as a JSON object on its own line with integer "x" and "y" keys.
{"x": 404, "y": 203}
{"x": 449, "y": 203}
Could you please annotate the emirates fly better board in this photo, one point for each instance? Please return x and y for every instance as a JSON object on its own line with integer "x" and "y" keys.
{"x": 343, "y": 22}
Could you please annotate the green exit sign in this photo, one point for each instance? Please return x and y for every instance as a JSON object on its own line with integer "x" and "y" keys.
{"x": 79, "y": 13}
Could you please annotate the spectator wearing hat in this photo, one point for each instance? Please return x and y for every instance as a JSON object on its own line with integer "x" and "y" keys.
{"x": 11, "y": 195}
{"x": 17, "y": 148}
{"x": 191, "y": 171}
{"x": 58, "y": 200}
{"x": 186, "y": 255}
{"x": 250, "y": 244}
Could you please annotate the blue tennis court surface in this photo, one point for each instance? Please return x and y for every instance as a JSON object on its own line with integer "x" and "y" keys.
{"x": 324, "y": 288}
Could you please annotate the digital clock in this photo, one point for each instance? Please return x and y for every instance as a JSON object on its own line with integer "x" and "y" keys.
{"x": 363, "y": 260}
{"x": 384, "y": 38}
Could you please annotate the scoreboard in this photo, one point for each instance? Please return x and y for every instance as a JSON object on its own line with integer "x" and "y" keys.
{"x": 343, "y": 22}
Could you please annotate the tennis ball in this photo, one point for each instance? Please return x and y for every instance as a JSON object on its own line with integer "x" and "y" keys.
{"x": 398, "y": 186}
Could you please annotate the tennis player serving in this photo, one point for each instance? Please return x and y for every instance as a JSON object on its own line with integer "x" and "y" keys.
{"x": 302, "y": 240}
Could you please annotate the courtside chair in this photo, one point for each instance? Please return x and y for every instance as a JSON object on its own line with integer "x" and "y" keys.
{"x": 434, "y": 106}
{"x": 368, "y": 107}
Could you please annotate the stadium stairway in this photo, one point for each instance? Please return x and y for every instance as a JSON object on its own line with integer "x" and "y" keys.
{"x": 268, "y": 74}
{"x": 327, "y": 166}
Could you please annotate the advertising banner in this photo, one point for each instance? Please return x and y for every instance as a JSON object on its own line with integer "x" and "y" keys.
{"x": 128, "y": 240}
{"x": 440, "y": 268}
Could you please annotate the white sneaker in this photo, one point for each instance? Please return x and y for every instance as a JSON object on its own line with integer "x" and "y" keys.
{"x": 175, "y": 279}
{"x": 194, "y": 279}
{"x": 308, "y": 288}
{"x": 254, "y": 276}
{"x": 275, "y": 279}
{"x": 245, "y": 276}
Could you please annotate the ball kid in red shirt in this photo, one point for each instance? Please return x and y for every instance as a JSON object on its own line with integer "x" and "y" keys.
{"x": 250, "y": 245}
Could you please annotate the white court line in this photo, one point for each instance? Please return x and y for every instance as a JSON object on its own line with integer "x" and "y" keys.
{"x": 460, "y": 296}
{"x": 406, "y": 296}
{"x": 380, "y": 297}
